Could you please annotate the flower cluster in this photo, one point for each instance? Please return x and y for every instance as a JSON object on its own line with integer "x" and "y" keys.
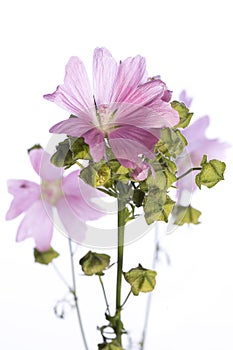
{"x": 129, "y": 141}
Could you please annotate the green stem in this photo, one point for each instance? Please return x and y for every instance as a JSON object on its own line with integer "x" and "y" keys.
{"x": 189, "y": 171}
{"x": 120, "y": 253}
{"x": 149, "y": 298}
{"x": 74, "y": 292}
{"x": 126, "y": 299}
{"x": 104, "y": 292}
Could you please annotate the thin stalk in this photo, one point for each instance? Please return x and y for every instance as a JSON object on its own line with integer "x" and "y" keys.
{"x": 104, "y": 293}
{"x": 189, "y": 171}
{"x": 74, "y": 292}
{"x": 120, "y": 253}
{"x": 149, "y": 298}
{"x": 126, "y": 299}
{"x": 60, "y": 275}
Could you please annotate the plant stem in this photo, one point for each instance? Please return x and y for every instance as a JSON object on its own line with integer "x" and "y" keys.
{"x": 60, "y": 275}
{"x": 74, "y": 292}
{"x": 149, "y": 298}
{"x": 126, "y": 298}
{"x": 104, "y": 292}
{"x": 189, "y": 171}
{"x": 120, "y": 253}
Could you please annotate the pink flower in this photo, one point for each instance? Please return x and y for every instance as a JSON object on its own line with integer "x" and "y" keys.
{"x": 124, "y": 110}
{"x": 37, "y": 201}
{"x": 198, "y": 145}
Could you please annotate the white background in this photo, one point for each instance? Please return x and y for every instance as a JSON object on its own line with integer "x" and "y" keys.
{"x": 189, "y": 43}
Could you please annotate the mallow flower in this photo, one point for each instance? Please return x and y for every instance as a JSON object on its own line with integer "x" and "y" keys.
{"x": 123, "y": 110}
{"x": 68, "y": 194}
{"x": 198, "y": 145}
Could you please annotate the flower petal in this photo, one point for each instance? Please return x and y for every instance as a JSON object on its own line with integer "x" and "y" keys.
{"x": 74, "y": 227}
{"x": 75, "y": 94}
{"x": 25, "y": 194}
{"x": 72, "y": 127}
{"x": 95, "y": 139}
{"x": 128, "y": 142}
{"x": 156, "y": 114}
{"x": 83, "y": 208}
{"x": 140, "y": 173}
{"x": 196, "y": 131}
{"x": 38, "y": 225}
{"x": 130, "y": 74}
{"x": 145, "y": 93}
{"x": 185, "y": 98}
{"x": 73, "y": 185}
{"x": 40, "y": 161}
{"x": 104, "y": 75}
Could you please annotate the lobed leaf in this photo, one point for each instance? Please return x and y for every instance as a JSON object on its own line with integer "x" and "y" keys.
{"x": 45, "y": 257}
{"x": 140, "y": 279}
{"x": 94, "y": 263}
{"x": 184, "y": 114}
{"x": 211, "y": 173}
{"x": 186, "y": 215}
{"x": 157, "y": 207}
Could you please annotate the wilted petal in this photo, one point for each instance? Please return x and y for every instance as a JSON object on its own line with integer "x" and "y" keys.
{"x": 74, "y": 227}
{"x": 104, "y": 75}
{"x": 40, "y": 161}
{"x": 37, "y": 223}
{"x": 75, "y": 94}
{"x": 25, "y": 194}
{"x": 130, "y": 74}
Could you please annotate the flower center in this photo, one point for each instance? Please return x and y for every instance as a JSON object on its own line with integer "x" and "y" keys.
{"x": 51, "y": 191}
{"x": 105, "y": 118}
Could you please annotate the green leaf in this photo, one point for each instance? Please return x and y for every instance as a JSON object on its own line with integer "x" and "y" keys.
{"x": 69, "y": 151}
{"x": 168, "y": 164}
{"x": 118, "y": 171}
{"x": 94, "y": 263}
{"x": 186, "y": 215}
{"x": 163, "y": 179}
{"x": 171, "y": 143}
{"x": 183, "y": 111}
{"x": 79, "y": 148}
{"x": 211, "y": 173}
{"x": 97, "y": 174}
{"x": 45, "y": 257}
{"x": 157, "y": 207}
{"x": 138, "y": 197}
{"x": 63, "y": 156}
{"x": 114, "y": 345}
{"x": 89, "y": 175}
{"x": 140, "y": 279}
{"x": 103, "y": 175}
